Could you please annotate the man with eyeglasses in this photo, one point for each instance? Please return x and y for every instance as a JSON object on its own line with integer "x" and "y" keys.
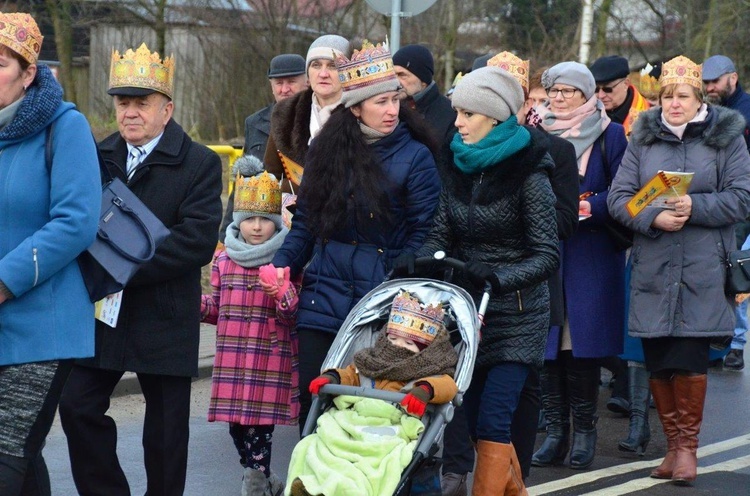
{"x": 723, "y": 88}
{"x": 621, "y": 99}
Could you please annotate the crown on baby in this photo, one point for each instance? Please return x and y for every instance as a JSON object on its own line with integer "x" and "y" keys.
{"x": 649, "y": 85}
{"x": 411, "y": 319}
{"x": 20, "y": 33}
{"x": 681, "y": 70}
{"x": 142, "y": 69}
{"x": 371, "y": 64}
{"x": 259, "y": 193}
{"x": 517, "y": 68}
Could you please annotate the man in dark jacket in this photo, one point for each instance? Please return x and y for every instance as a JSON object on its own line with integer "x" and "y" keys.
{"x": 287, "y": 77}
{"x": 157, "y": 330}
{"x": 723, "y": 88}
{"x": 414, "y": 68}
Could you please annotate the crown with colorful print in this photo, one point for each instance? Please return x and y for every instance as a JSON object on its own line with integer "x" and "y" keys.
{"x": 412, "y": 320}
{"x": 142, "y": 72}
{"x": 19, "y": 32}
{"x": 258, "y": 194}
{"x": 518, "y": 68}
{"x": 367, "y": 73}
{"x": 681, "y": 70}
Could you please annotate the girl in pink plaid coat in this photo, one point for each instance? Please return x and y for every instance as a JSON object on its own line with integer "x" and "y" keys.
{"x": 255, "y": 377}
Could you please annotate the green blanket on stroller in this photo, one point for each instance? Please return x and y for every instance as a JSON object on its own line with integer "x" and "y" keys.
{"x": 360, "y": 448}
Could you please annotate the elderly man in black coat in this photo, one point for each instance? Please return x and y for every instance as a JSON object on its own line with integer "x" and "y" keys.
{"x": 157, "y": 331}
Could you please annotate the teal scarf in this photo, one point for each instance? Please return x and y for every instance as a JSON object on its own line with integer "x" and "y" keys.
{"x": 500, "y": 143}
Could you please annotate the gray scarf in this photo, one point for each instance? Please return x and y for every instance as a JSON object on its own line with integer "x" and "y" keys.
{"x": 247, "y": 255}
{"x": 8, "y": 113}
{"x": 371, "y": 135}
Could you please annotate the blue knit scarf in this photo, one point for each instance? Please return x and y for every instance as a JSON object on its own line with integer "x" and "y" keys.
{"x": 39, "y": 105}
{"x": 500, "y": 143}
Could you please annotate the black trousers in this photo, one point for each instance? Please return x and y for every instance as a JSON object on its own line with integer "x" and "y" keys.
{"x": 313, "y": 348}
{"x": 92, "y": 435}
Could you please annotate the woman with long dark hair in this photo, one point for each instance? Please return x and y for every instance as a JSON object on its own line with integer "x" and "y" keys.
{"x": 369, "y": 192}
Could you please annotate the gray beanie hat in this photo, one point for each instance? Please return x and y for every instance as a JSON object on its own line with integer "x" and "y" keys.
{"x": 251, "y": 166}
{"x": 489, "y": 91}
{"x": 573, "y": 73}
{"x": 327, "y": 47}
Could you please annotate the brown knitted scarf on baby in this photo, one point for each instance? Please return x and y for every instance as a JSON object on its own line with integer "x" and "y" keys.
{"x": 394, "y": 363}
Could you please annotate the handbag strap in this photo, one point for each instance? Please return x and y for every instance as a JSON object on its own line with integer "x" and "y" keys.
{"x": 48, "y": 154}
{"x": 122, "y": 205}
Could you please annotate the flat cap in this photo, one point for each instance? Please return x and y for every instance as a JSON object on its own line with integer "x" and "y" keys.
{"x": 285, "y": 65}
{"x": 716, "y": 66}
{"x": 609, "y": 68}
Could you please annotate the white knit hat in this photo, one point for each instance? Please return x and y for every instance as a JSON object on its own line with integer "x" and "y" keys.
{"x": 328, "y": 47}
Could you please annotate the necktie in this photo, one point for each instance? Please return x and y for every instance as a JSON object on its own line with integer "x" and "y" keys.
{"x": 135, "y": 157}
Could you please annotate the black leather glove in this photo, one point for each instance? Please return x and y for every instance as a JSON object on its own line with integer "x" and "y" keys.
{"x": 403, "y": 265}
{"x": 479, "y": 273}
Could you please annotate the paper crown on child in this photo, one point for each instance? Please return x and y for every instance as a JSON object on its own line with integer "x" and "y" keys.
{"x": 681, "y": 70}
{"x": 649, "y": 85}
{"x": 258, "y": 195}
{"x": 518, "y": 68}
{"x": 140, "y": 72}
{"x": 369, "y": 72}
{"x": 20, "y": 33}
{"x": 410, "y": 319}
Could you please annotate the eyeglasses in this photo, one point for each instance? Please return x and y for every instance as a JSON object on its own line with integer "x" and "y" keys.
{"x": 566, "y": 92}
{"x": 608, "y": 89}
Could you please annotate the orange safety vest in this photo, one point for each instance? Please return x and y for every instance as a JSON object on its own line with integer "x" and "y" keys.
{"x": 639, "y": 105}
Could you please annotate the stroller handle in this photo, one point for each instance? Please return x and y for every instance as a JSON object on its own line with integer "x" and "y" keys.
{"x": 441, "y": 261}
{"x": 367, "y": 392}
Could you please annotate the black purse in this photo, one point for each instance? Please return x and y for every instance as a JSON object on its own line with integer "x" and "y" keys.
{"x": 738, "y": 272}
{"x": 620, "y": 235}
{"x": 128, "y": 235}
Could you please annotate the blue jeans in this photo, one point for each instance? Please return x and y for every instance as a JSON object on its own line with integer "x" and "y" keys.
{"x": 492, "y": 399}
{"x": 740, "y": 311}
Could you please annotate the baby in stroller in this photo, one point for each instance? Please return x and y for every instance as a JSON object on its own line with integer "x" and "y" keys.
{"x": 412, "y": 354}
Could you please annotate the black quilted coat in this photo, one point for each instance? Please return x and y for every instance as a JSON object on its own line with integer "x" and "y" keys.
{"x": 505, "y": 218}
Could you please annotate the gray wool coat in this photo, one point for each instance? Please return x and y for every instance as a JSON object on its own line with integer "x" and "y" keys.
{"x": 677, "y": 281}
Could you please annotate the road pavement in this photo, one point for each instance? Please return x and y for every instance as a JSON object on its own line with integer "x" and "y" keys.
{"x": 213, "y": 465}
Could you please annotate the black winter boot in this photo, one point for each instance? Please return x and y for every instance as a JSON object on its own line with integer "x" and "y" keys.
{"x": 639, "y": 433}
{"x": 554, "y": 449}
{"x": 583, "y": 388}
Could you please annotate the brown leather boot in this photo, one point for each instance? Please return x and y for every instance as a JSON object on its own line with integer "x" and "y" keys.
{"x": 690, "y": 396}
{"x": 498, "y": 471}
{"x": 663, "y": 392}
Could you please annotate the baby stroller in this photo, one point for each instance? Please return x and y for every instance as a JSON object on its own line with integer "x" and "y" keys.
{"x": 360, "y": 331}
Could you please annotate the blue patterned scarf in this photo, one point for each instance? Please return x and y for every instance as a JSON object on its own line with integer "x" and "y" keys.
{"x": 500, "y": 143}
{"x": 37, "y": 108}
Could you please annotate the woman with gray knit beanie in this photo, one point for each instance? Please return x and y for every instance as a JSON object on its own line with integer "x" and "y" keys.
{"x": 593, "y": 270}
{"x": 497, "y": 213}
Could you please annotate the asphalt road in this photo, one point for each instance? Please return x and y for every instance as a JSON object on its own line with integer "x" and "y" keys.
{"x": 724, "y": 456}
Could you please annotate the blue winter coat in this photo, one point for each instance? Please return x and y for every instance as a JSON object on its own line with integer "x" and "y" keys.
{"x": 46, "y": 219}
{"x": 340, "y": 270}
{"x": 593, "y": 270}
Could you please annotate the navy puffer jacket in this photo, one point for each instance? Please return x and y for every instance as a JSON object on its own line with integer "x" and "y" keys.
{"x": 340, "y": 270}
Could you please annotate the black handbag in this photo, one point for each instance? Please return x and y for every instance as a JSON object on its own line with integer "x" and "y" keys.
{"x": 738, "y": 272}
{"x": 128, "y": 234}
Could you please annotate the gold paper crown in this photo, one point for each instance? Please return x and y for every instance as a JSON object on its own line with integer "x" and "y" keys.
{"x": 259, "y": 194}
{"x": 681, "y": 70}
{"x": 20, "y": 33}
{"x": 518, "y": 68}
{"x": 412, "y": 320}
{"x": 649, "y": 86}
{"x": 370, "y": 65}
{"x": 142, "y": 69}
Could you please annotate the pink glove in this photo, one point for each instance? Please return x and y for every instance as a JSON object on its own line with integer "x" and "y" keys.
{"x": 269, "y": 276}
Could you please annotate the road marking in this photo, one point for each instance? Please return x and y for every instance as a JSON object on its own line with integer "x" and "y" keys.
{"x": 645, "y": 483}
{"x": 593, "y": 476}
